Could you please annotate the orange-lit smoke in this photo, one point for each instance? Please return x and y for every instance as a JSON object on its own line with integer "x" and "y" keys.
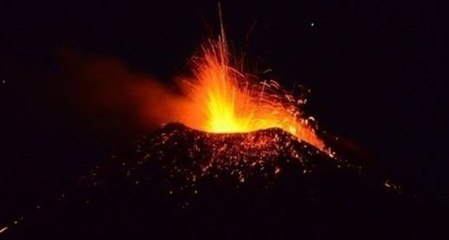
{"x": 103, "y": 89}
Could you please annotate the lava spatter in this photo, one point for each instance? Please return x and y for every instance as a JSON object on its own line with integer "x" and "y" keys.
{"x": 186, "y": 157}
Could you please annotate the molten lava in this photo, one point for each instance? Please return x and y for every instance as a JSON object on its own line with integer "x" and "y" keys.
{"x": 222, "y": 99}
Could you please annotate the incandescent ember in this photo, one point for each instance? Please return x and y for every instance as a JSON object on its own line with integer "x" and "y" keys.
{"x": 185, "y": 158}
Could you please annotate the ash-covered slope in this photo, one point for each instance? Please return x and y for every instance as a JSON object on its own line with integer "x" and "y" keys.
{"x": 181, "y": 183}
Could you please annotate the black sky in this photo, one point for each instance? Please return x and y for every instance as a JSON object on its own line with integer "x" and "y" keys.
{"x": 376, "y": 70}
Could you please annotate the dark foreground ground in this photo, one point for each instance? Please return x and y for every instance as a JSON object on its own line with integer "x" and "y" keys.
{"x": 177, "y": 183}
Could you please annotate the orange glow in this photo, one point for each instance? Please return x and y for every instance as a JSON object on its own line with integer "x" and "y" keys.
{"x": 223, "y": 99}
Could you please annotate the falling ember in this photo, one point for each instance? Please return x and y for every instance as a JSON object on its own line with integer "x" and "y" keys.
{"x": 3, "y": 229}
{"x": 224, "y": 99}
{"x": 186, "y": 158}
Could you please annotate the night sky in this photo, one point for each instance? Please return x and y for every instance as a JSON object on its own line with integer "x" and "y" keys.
{"x": 375, "y": 70}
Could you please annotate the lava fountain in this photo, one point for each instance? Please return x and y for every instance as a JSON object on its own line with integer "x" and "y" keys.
{"x": 222, "y": 98}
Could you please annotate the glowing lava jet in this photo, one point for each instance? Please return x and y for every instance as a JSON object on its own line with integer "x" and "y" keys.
{"x": 222, "y": 99}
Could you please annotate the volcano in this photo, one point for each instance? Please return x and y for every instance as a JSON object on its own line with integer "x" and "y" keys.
{"x": 244, "y": 161}
{"x": 177, "y": 182}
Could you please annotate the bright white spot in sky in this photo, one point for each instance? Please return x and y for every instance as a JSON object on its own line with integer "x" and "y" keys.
{"x": 3, "y": 229}
{"x": 3, "y": 81}
{"x": 312, "y": 24}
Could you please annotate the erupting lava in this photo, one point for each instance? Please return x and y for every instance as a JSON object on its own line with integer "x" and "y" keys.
{"x": 222, "y": 99}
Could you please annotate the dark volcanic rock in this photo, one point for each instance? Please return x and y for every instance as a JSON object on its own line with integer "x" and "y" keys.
{"x": 180, "y": 183}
